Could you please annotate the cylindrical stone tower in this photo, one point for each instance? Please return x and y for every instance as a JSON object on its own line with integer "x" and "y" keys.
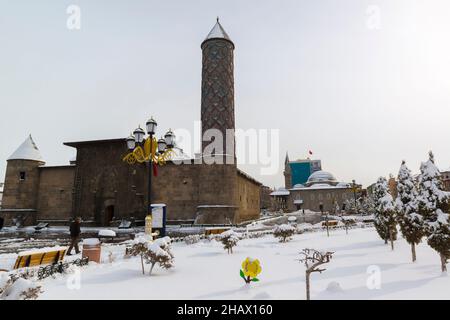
{"x": 20, "y": 194}
{"x": 217, "y": 106}
{"x": 218, "y": 189}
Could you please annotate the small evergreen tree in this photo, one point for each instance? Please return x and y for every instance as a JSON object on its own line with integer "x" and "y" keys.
{"x": 385, "y": 216}
{"x": 229, "y": 240}
{"x": 367, "y": 205}
{"x": 433, "y": 205}
{"x": 410, "y": 221}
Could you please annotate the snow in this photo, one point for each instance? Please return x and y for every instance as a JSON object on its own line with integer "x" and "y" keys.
{"x": 91, "y": 242}
{"x": 106, "y": 233}
{"x": 284, "y": 227}
{"x": 14, "y": 292}
{"x": 280, "y": 192}
{"x": 41, "y": 250}
{"x": 360, "y": 259}
{"x": 27, "y": 151}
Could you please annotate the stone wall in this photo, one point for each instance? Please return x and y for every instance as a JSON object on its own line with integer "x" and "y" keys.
{"x": 249, "y": 198}
{"x": 55, "y": 193}
{"x": 106, "y": 187}
{"x": 313, "y": 198}
{"x": 20, "y": 195}
{"x": 177, "y": 185}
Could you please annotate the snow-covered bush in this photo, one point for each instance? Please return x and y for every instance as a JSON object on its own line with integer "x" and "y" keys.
{"x": 284, "y": 232}
{"x": 159, "y": 252}
{"x": 410, "y": 221}
{"x": 385, "y": 216}
{"x": 433, "y": 205}
{"x": 229, "y": 240}
{"x": 15, "y": 287}
{"x": 191, "y": 239}
{"x": 152, "y": 253}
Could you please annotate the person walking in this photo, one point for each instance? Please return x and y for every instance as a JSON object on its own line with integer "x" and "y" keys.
{"x": 75, "y": 232}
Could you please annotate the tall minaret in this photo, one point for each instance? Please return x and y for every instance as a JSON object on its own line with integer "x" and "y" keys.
{"x": 217, "y": 193}
{"x": 217, "y": 109}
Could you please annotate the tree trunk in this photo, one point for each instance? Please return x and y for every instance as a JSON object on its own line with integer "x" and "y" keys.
{"x": 151, "y": 269}
{"x": 391, "y": 238}
{"x": 413, "y": 251}
{"x": 307, "y": 285}
{"x": 142, "y": 264}
{"x": 443, "y": 263}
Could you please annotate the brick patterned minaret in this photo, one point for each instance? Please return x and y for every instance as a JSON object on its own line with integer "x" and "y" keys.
{"x": 217, "y": 106}
{"x": 218, "y": 192}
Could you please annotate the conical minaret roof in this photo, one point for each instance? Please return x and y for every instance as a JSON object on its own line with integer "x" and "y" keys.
{"x": 217, "y": 32}
{"x": 27, "y": 151}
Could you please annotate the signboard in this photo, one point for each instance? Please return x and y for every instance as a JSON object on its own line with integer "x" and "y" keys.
{"x": 159, "y": 219}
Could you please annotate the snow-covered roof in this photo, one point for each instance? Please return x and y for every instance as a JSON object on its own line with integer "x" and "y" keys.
{"x": 217, "y": 32}
{"x": 280, "y": 192}
{"x": 316, "y": 186}
{"x": 321, "y": 176}
{"x": 27, "y": 151}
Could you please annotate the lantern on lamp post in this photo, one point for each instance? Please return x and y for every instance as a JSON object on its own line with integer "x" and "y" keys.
{"x": 151, "y": 152}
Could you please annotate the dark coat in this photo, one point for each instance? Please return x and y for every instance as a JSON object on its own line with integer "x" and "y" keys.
{"x": 75, "y": 229}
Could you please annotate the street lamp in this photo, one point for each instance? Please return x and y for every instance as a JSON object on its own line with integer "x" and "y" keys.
{"x": 150, "y": 151}
{"x": 354, "y": 195}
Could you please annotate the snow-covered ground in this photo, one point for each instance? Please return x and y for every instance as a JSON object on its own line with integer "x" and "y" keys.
{"x": 205, "y": 271}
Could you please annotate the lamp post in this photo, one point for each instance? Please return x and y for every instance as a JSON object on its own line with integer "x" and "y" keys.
{"x": 136, "y": 143}
{"x": 354, "y": 195}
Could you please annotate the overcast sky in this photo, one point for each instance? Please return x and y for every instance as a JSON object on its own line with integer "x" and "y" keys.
{"x": 362, "y": 90}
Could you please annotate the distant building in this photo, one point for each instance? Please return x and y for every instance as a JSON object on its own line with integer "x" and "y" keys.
{"x": 321, "y": 192}
{"x": 280, "y": 198}
{"x": 298, "y": 171}
{"x": 392, "y": 184}
{"x": 265, "y": 200}
{"x": 446, "y": 178}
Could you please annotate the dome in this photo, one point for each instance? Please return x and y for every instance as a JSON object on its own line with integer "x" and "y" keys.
{"x": 321, "y": 177}
{"x": 343, "y": 185}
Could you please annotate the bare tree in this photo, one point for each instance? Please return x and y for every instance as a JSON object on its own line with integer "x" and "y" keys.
{"x": 312, "y": 260}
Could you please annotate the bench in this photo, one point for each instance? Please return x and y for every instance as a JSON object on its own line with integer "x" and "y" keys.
{"x": 218, "y": 230}
{"x": 37, "y": 258}
{"x": 331, "y": 223}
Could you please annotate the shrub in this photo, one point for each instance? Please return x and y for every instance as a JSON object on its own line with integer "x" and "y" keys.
{"x": 191, "y": 239}
{"x": 229, "y": 240}
{"x": 284, "y": 232}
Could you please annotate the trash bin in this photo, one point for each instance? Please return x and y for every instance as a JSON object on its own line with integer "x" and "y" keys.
{"x": 92, "y": 249}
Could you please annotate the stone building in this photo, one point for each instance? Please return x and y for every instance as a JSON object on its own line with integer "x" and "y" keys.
{"x": 100, "y": 187}
{"x": 445, "y": 174}
{"x": 320, "y": 192}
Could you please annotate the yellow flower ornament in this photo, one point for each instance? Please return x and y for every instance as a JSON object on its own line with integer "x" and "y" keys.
{"x": 250, "y": 270}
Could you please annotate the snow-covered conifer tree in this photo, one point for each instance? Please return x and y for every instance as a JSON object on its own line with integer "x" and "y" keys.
{"x": 410, "y": 221}
{"x": 434, "y": 206}
{"x": 385, "y": 215}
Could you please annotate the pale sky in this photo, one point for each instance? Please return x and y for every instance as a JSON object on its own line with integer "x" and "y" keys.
{"x": 361, "y": 95}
